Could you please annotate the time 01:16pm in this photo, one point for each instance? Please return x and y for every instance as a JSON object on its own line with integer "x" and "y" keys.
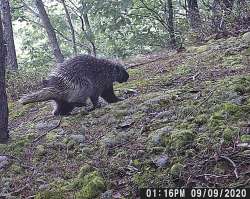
{"x": 163, "y": 193}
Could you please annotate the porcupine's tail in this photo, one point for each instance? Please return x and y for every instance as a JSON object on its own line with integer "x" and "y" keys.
{"x": 44, "y": 94}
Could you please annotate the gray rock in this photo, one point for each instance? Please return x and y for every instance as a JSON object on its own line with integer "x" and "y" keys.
{"x": 43, "y": 186}
{"x": 4, "y": 161}
{"x": 157, "y": 136}
{"x": 45, "y": 125}
{"x": 126, "y": 123}
{"x": 113, "y": 140}
{"x": 107, "y": 194}
{"x": 246, "y": 37}
{"x": 164, "y": 114}
{"x": 157, "y": 100}
{"x": 239, "y": 100}
{"x": 161, "y": 161}
{"x": 78, "y": 138}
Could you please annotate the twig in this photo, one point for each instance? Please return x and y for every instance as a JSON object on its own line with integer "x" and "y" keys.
{"x": 148, "y": 62}
{"x": 200, "y": 104}
{"x": 15, "y": 193}
{"x": 234, "y": 165}
{"x": 212, "y": 175}
{"x": 39, "y": 137}
{"x": 196, "y": 75}
{"x": 243, "y": 185}
{"x": 19, "y": 161}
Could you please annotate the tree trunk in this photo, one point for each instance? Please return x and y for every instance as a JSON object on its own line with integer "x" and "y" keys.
{"x": 50, "y": 31}
{"x": 194, "y": 14}
{"x": 4, "y": 132}
{"x": 221, "y": 12}
{"x": 170, "y": 20}
{"x": 88, "y": 32}
{"x": 71, "y": 26}
{"x": 8, "y": 36}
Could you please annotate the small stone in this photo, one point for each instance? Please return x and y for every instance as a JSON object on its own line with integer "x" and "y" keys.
{"x": 239, "y": 100}
{"x": 78, "y": 138}
{"x": 3, "y": 161}
{"x": 110, "y": 141}
{"x": 43, "y": 186}
{"x": 45, "y": 125}
{"x": 246, "y": 37}
{"x": 107, "y": 194}
{"x": 161, "y": 161}
{"x": 125, "y": 124}
{"x": 157, "y": 136}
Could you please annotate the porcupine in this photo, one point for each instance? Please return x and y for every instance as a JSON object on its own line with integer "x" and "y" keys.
{"x": 79, "y": 78}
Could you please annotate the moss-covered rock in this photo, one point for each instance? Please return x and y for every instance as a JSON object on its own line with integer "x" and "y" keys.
{"x": 40, "y": 149}
{"x": 84, "y": 170}
{"x": 92, "y": 185}
{"x": 176, "y": 169}
{"x": 179, "y": 139}
{"x": 49, "y": 195}
{"x": 245, "y": 138}
{"x": 230, "y": 133}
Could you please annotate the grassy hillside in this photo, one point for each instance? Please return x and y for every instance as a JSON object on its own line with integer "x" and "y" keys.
{"x": 185, "y": 122}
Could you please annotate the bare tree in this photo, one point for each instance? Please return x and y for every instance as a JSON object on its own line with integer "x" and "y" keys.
{"x": 50, "y": 31}
{"x": 4, "y": 133}
{"x": 8, "y": 35}
{"x": 70, "y": 25}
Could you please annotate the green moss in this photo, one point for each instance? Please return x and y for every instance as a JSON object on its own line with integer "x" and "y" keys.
{"x": 51, "y": 137}
{"x": 242, "y": 86}
{"x": 16, "y": 146}
{"x": 18, "y": 111}
{"x": 245, "y": 138}
{"x": 119, "y": 114}
{"x": 233, "y": 60}
{"x": 201, "y": 119}
{"x": 17, "y": 169}
{"x": 229, "y": 134}
{"x": 176, "y": 169}
{"x": 155, "y": 178}
{"x": 246, "y": 52}
{"x": 179, "y": 139}
{"x": 199, "y": 49}
{"x": 49, "y": 195}
{"x": 40, "y": 149}
{"x": 92, "y": 185}
{"x": 84, "y": 170}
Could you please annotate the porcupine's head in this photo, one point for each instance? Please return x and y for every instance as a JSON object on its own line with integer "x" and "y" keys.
{"x": 120, "y": 73}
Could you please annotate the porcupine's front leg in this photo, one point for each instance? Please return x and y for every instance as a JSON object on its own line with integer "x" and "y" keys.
{"x": 63, "y": 107}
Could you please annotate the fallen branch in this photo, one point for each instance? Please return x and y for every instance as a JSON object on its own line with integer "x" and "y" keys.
{"x": 18, "y": 160}
{"x": 200, "y": 104}
{"x": 39, "y": 137}
{"x": 14, "y": 193}
{"x": 148, "y": 62}
{"x": 234, "y": 165}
